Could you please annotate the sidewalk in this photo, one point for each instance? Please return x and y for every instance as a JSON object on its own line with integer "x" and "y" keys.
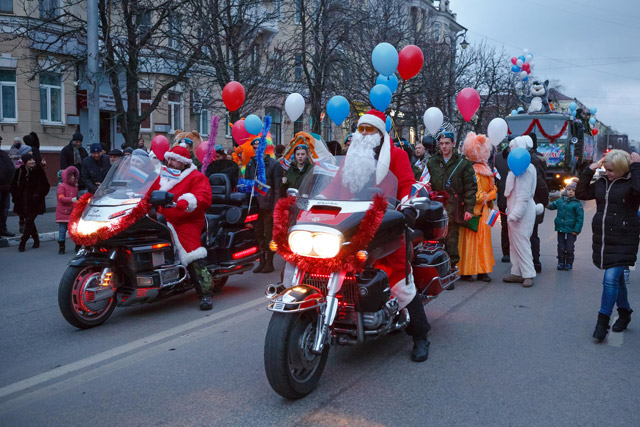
{"x": 46, "y": 223}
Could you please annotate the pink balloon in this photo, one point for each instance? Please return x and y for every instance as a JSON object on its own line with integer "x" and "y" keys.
{"x": 514, "y": 60}
{"x": 468, "y": 101}
{"x": 239, "y": 133}
{"x": 159, "y": 146}
{"x": 201, "y": 150}
{"x": 526, "y": 67}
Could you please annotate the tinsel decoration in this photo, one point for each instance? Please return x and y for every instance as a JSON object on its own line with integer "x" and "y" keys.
{"x": 346, "y": 260}
{"x": 262, "y": 146}
{"x": 211, "y": 147}
{"x": 114, "y": 227}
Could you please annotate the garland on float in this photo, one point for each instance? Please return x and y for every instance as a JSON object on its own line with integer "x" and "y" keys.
{"x": 114, "y": 227}
{"x": 536, "y": 122}
{"x": 346, "y": 260}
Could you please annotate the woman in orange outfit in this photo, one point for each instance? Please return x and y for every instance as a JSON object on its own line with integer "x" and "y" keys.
{"x": 476, "y": 251}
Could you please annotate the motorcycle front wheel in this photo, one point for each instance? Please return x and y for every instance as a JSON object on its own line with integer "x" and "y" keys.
{"x": 82, "y": 301}
{"x": 292, "y": 369}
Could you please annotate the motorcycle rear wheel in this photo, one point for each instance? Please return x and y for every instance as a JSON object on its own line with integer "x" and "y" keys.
{"x": 292, "y": 370}
{"x": 76, "y": 297}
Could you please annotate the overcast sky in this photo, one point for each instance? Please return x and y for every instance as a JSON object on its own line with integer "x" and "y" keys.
{"x": 590, "y": 46}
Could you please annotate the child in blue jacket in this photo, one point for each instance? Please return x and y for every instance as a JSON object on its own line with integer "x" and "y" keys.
{"x": 568, "y": 224}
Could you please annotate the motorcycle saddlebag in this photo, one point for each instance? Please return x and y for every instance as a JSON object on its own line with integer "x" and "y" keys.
{"x": 427, "y": 265}
{"x": 433, "y": 221}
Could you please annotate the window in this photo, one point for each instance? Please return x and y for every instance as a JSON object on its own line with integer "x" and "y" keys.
{"x": 175, "y": 111}
{"x": 298, "y": 16}
{"x": 255, "y": 55}
{"x": 204, "y": 122}
{"x": 173, "y": 30}
{"x": 50, "y": 98}
{"x": 298, "y": 125}
{"x": 6, "y": 5}
{"x": 144, "y": 105}
{"x": 436, "y": 31}
{"x": 144, "y": 21}
{"x": 276, "y": 124}
{"x": 8, "y": 96}
{"x": 227, "y": 128}
{"x": 49, "y": 9}
{"x": 297, "y": 70}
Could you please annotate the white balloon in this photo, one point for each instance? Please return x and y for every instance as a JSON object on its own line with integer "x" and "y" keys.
{"x": 294, "y": 106}
{"x": 525, "y": 52}
{"x": 433, "y": 119}
{"x": 523, "y": 74}
{"x": 532, "y": 65}
{"x": 519, "y": 63}
{"x": 529, "y": 58}
{"x": 497, "y": 131}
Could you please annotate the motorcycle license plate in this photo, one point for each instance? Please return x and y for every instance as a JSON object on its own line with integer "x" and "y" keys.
{"x": 157, "y": 258}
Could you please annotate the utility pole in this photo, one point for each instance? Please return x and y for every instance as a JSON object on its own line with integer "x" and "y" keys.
{"x": 93, "y": 90}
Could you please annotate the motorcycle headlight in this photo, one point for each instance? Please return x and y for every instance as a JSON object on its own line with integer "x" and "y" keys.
{"x": 326, "y": 245}
{"x": 300, "y": 242}
{"x": 315, "y": 244}
{"x": 88, "y": 228}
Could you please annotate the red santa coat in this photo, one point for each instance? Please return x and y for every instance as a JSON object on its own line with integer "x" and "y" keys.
{"x": 186, "y": 226}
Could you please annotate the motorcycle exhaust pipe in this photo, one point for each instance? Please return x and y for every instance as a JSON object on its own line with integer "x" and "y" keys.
{"x": 273, "y": 290}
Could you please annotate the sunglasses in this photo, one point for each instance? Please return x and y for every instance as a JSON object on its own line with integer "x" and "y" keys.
{"x": 367, "y": 129}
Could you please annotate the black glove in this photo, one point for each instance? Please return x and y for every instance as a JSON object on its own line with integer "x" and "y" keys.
{"x": 410, "y": 215}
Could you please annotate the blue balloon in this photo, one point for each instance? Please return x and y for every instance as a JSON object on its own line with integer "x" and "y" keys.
{"x": 520, "y": 109}
{"x": 380, "y": 97}
{"x": 338, "y": 109}
{"x": 253, "y": 124}
{"x": 573, "y": 106}
{"x": 514, "y": 112}
{"x": 385, "y": 59}
{"x": 515, "y": 69}
{"x": 593, "y": 110}
{"x": 573, "y": 113}
{"x": 526, "y": 78}
{"x": 592, "y": 121}
{"x": 523, "y": 58}
{"x": 518, "y": 161}
{"x": 389, "y": 81}
{"x": 388, "y": 123}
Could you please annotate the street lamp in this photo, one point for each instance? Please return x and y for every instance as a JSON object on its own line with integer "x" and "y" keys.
{"x": 463, "y": 43}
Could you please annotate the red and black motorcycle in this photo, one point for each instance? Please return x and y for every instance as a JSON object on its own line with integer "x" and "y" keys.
{"x": 333, "y": 289}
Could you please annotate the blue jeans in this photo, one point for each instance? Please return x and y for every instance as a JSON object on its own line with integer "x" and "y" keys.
{"x": 62, "y": 231}
{"x": 614, "y": 289}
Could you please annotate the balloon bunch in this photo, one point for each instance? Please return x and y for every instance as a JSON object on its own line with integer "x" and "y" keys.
{"x": 523, "y": 65}
{"x": 592, "y": 120}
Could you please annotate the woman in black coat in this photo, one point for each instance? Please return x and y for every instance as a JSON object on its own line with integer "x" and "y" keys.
{"x": 29, "y": 188}
{"x": 616, "y": 231}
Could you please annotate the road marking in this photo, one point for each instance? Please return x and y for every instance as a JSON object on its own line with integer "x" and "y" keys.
{"x": 117, "y": 351}
{"x": 615, "y": 339}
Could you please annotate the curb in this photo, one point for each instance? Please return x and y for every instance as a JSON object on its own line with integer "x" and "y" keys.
{"x": 15, "y": 241}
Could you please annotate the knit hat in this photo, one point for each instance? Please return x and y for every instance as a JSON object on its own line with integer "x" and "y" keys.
{"x": 17, "y": 140}
{"x": 180, "y": 154}
{"x": 127, "y": 150}
{"x": 572, "y": 185}
{"x": 96, "y": 148}
{"x": 377, "y": 119}
{"x": 77, "y": 136}
{"x": 25, "y": 149}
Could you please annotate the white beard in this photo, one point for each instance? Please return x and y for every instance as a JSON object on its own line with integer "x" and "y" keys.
{"x": 360, "y": 162}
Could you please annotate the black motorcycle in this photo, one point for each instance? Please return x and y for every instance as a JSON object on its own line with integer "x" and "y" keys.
{"x": 129, "y": 254}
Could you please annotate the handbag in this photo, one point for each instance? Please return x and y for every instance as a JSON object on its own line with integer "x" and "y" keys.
{"x": 472, "y": 224}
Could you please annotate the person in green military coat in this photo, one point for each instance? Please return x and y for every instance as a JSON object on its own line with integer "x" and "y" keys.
{"x": 298, "y": 170}
{"x": 454, "y": 174}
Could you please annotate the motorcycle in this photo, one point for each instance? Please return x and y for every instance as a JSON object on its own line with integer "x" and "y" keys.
{"x": 129, "y": 254}
{"x": 334, "y": 290}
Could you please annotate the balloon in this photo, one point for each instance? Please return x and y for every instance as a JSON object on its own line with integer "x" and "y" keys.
{"x": 380, "y": 97}
{"x": 388, "y": 123}
{"x": 253, "y": 124}
{"x": 159, "y": 146}
{"x": 573, "y": 106}
{"x": 594, "y": 132}
{"x": 525, "y": 51}
{"x": 593, "y": 110}
{"x": 514, "y": 60}
{"x": 389, "y": 81}
{"x": 515, "y": 68}
{"x": 201, "y": 150}
{"x": 525, "y": 79}
{"x": 518, "y": 160}
{"x": 233, "y": 95}
{"x": 410, "y": 60}
{"x": 532, "y": 65}
{"x": 520, "y": 63}
{"x": 520, "y": 109}
{"x": 385, "y": 59}
{"x": 522, "y": 58}
{"x": 526, "y": 67}
{"x": 338, "y": 109}
{"x": 468, "y": 101}
{"x": 239, "y": 133}
{"x": 433, "y": 119}
{"x": 529, "y": 56}
{"x": 497, "y": 130}
{"x": 514, "y": 112}
{"x": 592, "y": 121}
{"x": 523, "y": 74}
{"x": 294, "y": 106}
{"x": 573, "y": 113}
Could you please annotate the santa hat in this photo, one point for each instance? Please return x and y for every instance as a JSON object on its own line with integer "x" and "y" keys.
{"x": 377, "y": 119}
{"x": 180, "y": 154}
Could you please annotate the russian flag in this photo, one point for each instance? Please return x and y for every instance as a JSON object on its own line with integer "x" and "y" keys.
{"x": 492, "y": 218}
{"x": 261, "y": 188}
{"x": 426, "y": 176}
{"x": 323, "y": 168}
{"x": 496, "y": 173}
{"x": 139, "y": 175}
{"x": 285, "y": 163}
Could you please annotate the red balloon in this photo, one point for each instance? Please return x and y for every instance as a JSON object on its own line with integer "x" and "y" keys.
{"x": 514, "y": 60}
{"x": 410, "y": 60}
{"x": 233, "y": 95}
{"x": 201, "y": 150}
{"x": 159, "y": 146}
{"x": 239, "y": 133}
{"x": 594, "y": 132}
{"x": 526, "y": 67}
{"x": 468, "y": 101}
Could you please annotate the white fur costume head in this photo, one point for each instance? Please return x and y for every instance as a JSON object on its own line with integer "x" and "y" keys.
{"x": 521, "y": 142}
{"x": 359, "y": 165}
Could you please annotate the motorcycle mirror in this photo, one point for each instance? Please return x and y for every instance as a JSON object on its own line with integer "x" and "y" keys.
{"x": 292, "y": 192}
{"x": 160, "y": 198}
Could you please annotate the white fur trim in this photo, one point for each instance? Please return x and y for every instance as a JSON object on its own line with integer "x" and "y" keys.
{"x": 374, "y": 121}
{"x": 404, "y": 291}
{"x": 185, "y": 257}
{"x": 178, "y": 157}
{"x": 191, "y": 200}
{"x": 539, "y": 208}
{"x": 384, "y": 160}
{"x": 167, "y": 184}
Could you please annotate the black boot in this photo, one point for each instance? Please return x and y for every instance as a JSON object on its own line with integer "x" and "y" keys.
{"x": 206, "y": 302}
{"x": 36, "y": 241}
{"x": 268, "y": 265}
{"x": 61, "y": 248}
{"x": 420, "y": 351}
{"x": 22, "y": 245}
{"x": 260, "y": 266}
{"x": 624, "y": 317}
{"x": 602, "y": 327}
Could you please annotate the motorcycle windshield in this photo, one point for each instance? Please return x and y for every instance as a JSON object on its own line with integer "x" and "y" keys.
{"x": 348, "y": 179}
{"x": 127, "y": 181}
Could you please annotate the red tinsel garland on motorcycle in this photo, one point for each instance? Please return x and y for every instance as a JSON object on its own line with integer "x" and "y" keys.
{"x": 346, "y": 260}
{"x": 551, "y": 138}
{"x": 114, "y": 227}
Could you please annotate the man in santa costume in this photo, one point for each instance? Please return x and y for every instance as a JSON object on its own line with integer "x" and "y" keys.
{"x": 369, "y": 144}
{"x": 192, "y": 194}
